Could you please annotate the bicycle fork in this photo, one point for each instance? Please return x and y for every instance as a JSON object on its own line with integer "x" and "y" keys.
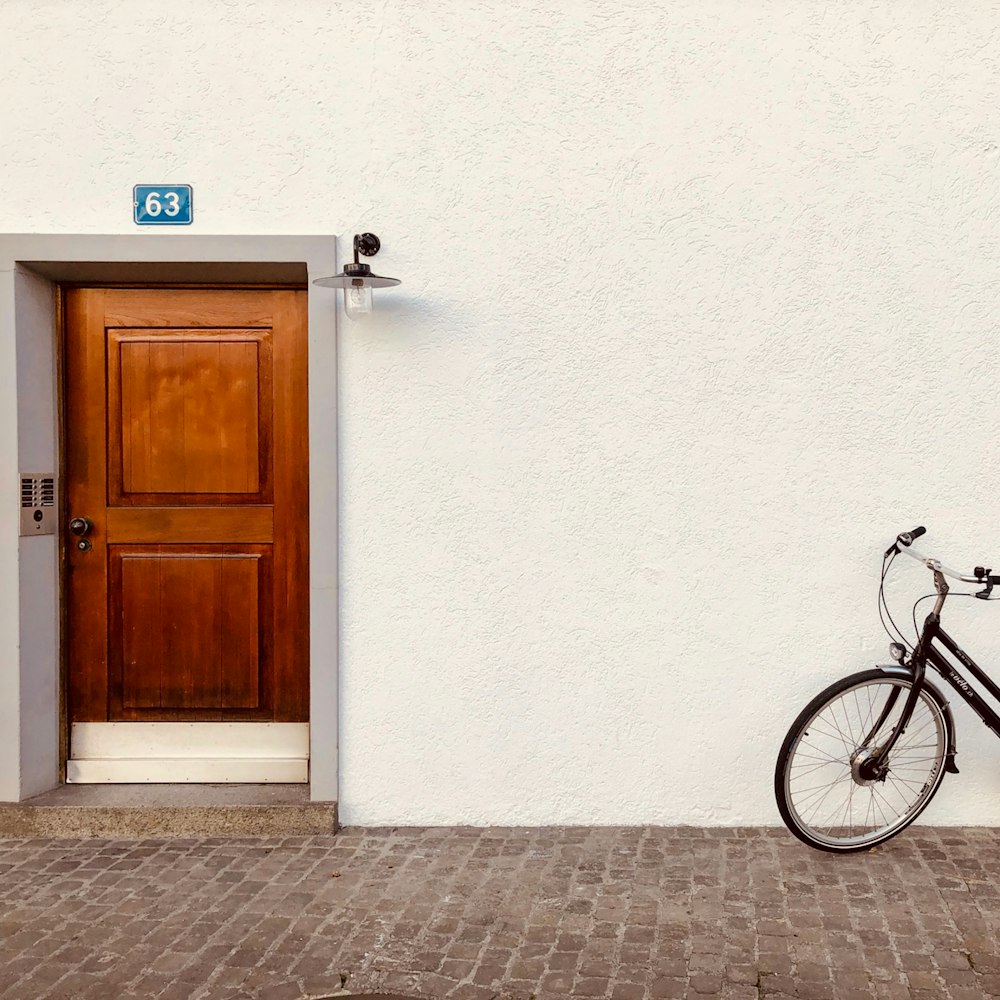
{"x": 875, "y": 766}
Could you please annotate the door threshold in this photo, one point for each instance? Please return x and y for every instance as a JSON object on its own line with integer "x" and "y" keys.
{"x": 130, "y": 812}
{"x": 188, "y": 752}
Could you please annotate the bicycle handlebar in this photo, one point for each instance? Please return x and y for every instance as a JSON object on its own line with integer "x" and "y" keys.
{"x": 906, "y": 539}
{"x": 936, "y": 566}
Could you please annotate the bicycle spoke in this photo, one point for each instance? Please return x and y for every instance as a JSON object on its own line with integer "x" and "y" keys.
{"x": 884, "y": 799}
{"x": 815, "y": 788}
{"x": 823, "y": 798}
{"x": 810, "y": 768}
{"x": 850, "y": 813}
{"x": 816, "y": 797}
{"x": 847, "y": 724}
{"x": 828, "y": 796}
{"x": 910, "y": 737}
{"x": 896, "y": 779}
{"x": 830, "y": 734}
{"x": 875, "y": 798}
{"x": 871, "y": 712}
{"x": 845, "y": 737}
{"x": 835, "y": 760}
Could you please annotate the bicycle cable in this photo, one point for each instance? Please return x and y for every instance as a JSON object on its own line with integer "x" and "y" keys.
{"x": 880, "y": 601}
{"x": 927, "y": 597}
{"x": 887, "y": 562}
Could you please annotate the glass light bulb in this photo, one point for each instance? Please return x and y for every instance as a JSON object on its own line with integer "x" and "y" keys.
{"x": 358, "y": 301}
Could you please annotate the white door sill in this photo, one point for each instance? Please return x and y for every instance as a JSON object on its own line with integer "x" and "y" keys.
{"x": 188, "y": 752}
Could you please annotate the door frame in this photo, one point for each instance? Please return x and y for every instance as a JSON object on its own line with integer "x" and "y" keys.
{"x": 32, "y": 269}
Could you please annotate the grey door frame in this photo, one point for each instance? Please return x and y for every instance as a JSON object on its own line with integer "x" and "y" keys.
{"x": 31, "y": 268}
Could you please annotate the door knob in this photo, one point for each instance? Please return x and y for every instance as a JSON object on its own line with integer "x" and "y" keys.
{"x": 81, "y": 526}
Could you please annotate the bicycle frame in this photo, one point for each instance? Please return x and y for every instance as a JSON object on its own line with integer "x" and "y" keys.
{"x": 924, "y": 654}
{"x": 932, "y": 656}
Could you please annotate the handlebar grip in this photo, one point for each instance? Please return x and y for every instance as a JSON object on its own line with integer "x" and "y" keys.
{"x": 907, "y": 538}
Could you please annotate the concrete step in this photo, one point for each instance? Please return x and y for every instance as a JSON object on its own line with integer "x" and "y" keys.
{"x": 132, "y": 812}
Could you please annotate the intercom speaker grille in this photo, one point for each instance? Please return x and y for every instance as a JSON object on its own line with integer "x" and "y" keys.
{"x": 38, "y": 503}
{"x": 38, "y": 491}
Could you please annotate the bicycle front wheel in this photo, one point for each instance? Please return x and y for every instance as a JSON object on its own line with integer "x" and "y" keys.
{"x": 824, "y": 784}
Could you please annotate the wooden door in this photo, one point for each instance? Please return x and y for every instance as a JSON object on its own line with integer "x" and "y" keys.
{"x": 186, "y": 447}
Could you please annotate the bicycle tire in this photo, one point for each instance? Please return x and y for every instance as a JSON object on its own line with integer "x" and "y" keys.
{"x": 821, "y": 733}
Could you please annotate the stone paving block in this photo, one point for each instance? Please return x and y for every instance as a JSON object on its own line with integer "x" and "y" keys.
{"x": 620, "y": 914}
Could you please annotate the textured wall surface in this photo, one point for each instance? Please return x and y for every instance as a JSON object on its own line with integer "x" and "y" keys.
{"x": 699, "y": 309}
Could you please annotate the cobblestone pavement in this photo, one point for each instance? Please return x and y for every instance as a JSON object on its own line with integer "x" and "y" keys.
{"x": 476, "y": 914}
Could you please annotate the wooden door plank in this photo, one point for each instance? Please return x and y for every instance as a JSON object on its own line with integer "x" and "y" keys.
{"x": 190, "y": 614}
{"x": 190, "y": 524}
{"x": 240, "y": 629}
{"x": 165, "y": 406}
{"x": 136, "y": 616}
{"x": 168, "y": 307}
{"x": 128, "y": 396}
{"x": 291, "y": 507}
{"x": 203, "y": 427}
{"x": 236, "y": 394}
{"x": 86, "y": 474}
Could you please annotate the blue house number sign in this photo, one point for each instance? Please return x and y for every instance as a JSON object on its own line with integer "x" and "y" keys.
{"x": 162, "y": 204}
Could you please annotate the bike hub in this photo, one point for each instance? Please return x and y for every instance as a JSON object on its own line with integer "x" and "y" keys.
{"x": 867, "y": 766}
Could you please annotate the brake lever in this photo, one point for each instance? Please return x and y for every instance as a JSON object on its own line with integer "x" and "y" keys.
{"x": 983, "y": 575}
{"x": 903, "y": 538}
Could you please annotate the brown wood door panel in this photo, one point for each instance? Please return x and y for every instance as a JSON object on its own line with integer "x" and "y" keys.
{"x": 190, "y": 634}
{"x": 189, "y": 416}
{"x": 186, "y": 443}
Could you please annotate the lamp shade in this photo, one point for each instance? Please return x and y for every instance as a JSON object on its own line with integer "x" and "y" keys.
{"x": 355, "y": 281}
{"x": 356, "y": 276}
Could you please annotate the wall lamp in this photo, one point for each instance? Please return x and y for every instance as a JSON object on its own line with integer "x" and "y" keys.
{"x": 357, "y": 279}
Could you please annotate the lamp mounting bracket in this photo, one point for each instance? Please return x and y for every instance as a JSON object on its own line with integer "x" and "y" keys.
{"x": 366, "y": 243}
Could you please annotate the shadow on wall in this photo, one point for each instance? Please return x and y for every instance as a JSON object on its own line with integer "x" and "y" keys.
{"x": 406, "y": 320}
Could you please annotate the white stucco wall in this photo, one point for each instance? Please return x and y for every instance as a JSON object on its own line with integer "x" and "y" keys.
{"x": 700, "y": 308}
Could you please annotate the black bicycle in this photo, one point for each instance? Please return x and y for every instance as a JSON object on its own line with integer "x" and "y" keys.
{"x": 865, "y": 756}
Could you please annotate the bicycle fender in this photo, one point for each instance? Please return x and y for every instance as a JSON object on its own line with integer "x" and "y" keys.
{"x": 906, "y": 673}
